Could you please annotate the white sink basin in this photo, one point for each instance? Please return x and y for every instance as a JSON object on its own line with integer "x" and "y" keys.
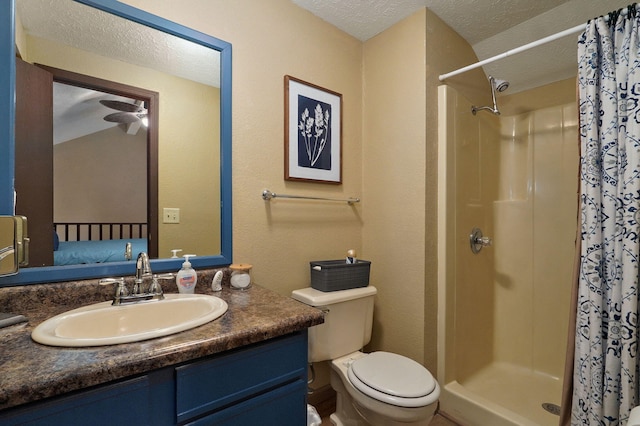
{"x": 103, "y": 324}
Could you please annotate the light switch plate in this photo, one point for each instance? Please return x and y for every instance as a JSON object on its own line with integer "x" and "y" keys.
{"x": 170, "y": 215}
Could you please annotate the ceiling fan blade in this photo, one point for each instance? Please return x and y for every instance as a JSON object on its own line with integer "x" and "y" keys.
{"x": 121, "y": 117}
{"x": 122, "y": 106}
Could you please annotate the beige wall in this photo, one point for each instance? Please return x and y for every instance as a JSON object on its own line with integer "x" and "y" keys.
{"x": 393, "y": 158}
{"x": 270, "y": 40}
{"x": 93, "y": 181}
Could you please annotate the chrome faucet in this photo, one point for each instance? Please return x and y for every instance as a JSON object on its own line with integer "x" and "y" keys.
{"x": 127, "y": 252}
{"x": 143, "y": 269}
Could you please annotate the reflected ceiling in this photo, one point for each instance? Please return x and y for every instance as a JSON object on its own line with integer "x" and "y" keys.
{"x": 119, "y": 39}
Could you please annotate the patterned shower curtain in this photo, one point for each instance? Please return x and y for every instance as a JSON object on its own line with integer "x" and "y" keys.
{"x": 606, "y": 351}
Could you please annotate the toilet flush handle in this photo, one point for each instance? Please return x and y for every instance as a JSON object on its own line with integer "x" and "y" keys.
{"x": 477, "y": 241}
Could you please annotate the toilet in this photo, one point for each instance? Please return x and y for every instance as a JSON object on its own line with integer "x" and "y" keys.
{"x": 379, "y": 388}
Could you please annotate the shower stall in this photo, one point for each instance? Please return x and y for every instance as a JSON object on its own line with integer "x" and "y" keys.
{"x": 504, "y": 311}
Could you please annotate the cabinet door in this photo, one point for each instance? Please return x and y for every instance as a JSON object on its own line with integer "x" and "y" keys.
{"x": 212, "y": 384}
{"x": 124, "y": 403}
{"x": 285, "y": 406}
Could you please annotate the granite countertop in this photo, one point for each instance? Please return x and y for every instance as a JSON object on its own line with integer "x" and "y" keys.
{"x": 32, "y": 371}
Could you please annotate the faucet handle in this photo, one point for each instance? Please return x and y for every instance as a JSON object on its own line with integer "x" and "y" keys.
{"x": 120, "y": 289}
{"x": 167, "y": 276}
{"x": 156, "y": 288}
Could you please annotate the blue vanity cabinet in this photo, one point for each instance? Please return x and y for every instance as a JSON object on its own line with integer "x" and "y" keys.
{"x": 211, "y": 385}
{"x": 121, "y": 403}
{"x": 284, "y": 406}
{"x": 261, "y": 384}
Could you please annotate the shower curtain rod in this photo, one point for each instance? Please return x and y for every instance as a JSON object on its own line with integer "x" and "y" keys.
{"x": 508, "y": 53}
{"x": 531, "y": 45}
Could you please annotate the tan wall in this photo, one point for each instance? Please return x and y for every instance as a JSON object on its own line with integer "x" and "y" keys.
{"x": 393, "y": 160}
{"x": 94, "y": 182}
{"x": 270, "y": 40}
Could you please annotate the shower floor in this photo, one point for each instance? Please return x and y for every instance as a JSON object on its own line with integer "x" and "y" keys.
{"x": 517, "y": 389}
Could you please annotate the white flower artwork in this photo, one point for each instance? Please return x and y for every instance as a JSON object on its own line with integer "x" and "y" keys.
{"x": 315, "y": 132}
{"x": 313, "y": 135}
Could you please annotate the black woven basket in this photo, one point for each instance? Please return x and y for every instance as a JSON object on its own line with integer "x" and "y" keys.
{"x": 334, "y": 275}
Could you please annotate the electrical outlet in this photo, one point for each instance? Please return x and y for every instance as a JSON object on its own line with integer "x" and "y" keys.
{"x": 170, "y": 215}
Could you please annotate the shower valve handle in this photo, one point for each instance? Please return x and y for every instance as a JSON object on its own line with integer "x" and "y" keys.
{"x": 484, "y": 241}
{"x": 477, "y": 240}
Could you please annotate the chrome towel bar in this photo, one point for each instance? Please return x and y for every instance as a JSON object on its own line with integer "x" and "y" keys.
{"x": 268, "y": 195}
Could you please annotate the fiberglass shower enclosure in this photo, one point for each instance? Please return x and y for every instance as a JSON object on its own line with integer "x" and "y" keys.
{"x": 504, "y": 312}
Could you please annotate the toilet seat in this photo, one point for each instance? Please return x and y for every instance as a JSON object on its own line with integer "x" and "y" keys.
{"x": 393, "y": 379}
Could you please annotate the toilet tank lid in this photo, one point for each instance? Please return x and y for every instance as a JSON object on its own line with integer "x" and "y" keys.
{"x": 313, "y": 297}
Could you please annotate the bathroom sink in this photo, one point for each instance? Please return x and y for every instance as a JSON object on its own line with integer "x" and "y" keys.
{"x": 103, "y": 324}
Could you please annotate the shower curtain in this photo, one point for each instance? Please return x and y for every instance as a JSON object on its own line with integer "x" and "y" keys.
{"x": 605, "y": 372}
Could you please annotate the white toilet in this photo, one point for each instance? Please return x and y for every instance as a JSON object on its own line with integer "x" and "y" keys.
{"x": 379, "y": 388}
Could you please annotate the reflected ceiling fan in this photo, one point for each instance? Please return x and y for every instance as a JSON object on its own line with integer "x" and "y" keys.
{"x": 129, "y": 113}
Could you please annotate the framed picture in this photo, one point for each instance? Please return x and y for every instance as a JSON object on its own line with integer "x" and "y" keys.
{"x": 313, "y": 132}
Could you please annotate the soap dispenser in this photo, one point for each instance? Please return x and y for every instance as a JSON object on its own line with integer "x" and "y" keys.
{"x": 186, "y": 278}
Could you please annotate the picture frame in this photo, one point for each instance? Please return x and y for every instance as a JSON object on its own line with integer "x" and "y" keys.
{"x": 313, "y": 153}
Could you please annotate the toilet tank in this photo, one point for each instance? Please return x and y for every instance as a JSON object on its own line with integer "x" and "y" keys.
{"x": 348, "y": 320}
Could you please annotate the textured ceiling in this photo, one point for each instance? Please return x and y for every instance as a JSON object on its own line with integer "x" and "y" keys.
{"x": 490, "y": 26}
{"x": 362, "y": 19}
{"x": 477, "y": 20}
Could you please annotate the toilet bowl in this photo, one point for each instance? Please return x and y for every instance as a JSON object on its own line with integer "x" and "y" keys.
{"x": 380, "y": 388}
{"x": 383, "y": 389}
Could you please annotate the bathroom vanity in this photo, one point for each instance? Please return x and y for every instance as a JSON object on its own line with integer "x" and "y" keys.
{"x": 247, "y": 367}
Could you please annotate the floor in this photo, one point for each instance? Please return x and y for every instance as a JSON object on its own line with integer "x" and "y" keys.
{"x": 438, "y": 420}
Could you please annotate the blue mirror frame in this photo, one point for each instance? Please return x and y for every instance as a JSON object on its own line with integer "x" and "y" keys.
{"x": 7, "y": 149}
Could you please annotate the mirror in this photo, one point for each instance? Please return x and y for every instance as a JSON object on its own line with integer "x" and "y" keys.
{"x": 174, "y": 146}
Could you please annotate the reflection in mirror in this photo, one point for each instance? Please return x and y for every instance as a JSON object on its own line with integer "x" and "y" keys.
{"x": 193, "y": 123}
{"x": 92, "y": 179}
{"x": 98, "y": 166}
{"x": 189, "y": 94}
{"x": 8, "y": 252}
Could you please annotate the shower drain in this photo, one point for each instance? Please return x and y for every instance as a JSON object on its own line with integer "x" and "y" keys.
{"x": 552, "y": 408}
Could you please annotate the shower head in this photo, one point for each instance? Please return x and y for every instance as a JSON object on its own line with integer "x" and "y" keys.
{"x": 501, "y": 85}
{"x": 496, "y": 86}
